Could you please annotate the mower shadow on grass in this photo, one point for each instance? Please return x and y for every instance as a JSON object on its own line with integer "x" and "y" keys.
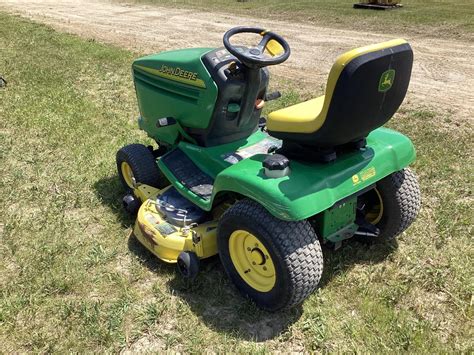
{"x": 110, "y": 192}
{"x": 354, "y": 252}
{"x": 214, "y": 299}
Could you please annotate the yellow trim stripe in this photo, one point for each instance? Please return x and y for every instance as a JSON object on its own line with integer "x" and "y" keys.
{"x": 198, "y": 82}
{"x": 290, "y": 120}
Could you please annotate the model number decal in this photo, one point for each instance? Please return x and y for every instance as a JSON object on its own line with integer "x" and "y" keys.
{"x": 363, "y": 175}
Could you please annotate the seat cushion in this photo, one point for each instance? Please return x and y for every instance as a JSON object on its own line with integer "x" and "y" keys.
{"x": 304, "y": 117}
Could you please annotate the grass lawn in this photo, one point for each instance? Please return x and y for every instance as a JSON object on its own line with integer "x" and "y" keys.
{"x": 434, "y": 18}
{"x": 72, "y": 280}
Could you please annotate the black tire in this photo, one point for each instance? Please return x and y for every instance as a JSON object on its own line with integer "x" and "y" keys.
{"x": 143, "y": 165}
{"x": 131, "y": 204}
{"x": 294, "y": 249}
{"x": 401, "y": 201}
{"x": 188, "y": 264}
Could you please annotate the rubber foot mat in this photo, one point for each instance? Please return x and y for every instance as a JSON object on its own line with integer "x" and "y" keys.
{"x": 188, "y": 174}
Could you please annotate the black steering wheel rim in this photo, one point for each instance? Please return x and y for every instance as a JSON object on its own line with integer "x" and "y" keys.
{"x": 253, "y": 57}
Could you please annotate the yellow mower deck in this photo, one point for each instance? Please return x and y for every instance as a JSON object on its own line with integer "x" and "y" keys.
{"x": 165, "y": 240}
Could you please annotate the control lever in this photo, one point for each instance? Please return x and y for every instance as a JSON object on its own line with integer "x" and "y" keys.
{"x": 233, "y": 71}
{"x": 272, "y": 96}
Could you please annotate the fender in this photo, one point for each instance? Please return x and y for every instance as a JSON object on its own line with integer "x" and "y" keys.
{"x": 313, "y": 187}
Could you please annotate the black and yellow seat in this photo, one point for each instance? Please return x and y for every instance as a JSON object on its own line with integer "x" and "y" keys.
{"x": 364, "y": 90}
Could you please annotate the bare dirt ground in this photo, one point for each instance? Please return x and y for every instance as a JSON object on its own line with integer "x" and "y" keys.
{"x": 443, "y": 73}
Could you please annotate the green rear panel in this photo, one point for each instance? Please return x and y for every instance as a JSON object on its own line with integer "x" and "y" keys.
{"x": 338, "y": 222}
{"x": 333, "y": 218}
{"x": 174, "y": 84}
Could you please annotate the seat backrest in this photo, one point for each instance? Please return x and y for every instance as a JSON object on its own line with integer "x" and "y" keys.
{"x": 365, "y": 88}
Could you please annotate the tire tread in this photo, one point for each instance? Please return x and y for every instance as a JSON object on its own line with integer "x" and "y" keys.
{"x": 402, "y": 187}
{"x": 297, "y": 243}
{"x": 143, "y": 164}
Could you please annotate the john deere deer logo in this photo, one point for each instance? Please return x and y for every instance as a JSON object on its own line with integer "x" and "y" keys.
{"x": 386, "y": 80}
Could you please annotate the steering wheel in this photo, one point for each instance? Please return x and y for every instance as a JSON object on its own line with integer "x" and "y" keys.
{"x": 255, "y": 57}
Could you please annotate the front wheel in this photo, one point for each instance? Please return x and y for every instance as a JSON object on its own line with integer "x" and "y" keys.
{"x": 275, "y": 263}
{"x": 137, "y": 165}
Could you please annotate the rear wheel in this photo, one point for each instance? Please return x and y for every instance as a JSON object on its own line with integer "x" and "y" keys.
{"x": 275, "y": 263}
{"x": 136, "y": 164}
{"x": 393, "y": 205}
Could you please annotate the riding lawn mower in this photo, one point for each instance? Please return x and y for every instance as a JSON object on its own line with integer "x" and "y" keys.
{"x": 264, "y": 194}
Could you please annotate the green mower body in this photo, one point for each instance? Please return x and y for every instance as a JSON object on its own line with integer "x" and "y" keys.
{"x": 176, "y": 88}
{"x": 310, "y": 188}
{"x": 224, "y": 180}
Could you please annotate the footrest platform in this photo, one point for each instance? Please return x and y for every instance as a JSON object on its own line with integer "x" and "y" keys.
{"x": 188, "y": 173}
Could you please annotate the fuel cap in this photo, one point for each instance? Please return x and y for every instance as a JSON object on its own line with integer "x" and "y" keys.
{"x": 276, "y": 165}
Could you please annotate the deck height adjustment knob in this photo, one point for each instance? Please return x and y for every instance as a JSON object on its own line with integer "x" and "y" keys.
{"x": 276, "y": 166}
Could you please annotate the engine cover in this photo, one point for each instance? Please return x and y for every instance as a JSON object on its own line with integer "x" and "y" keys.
{"x": 204, "y": 94}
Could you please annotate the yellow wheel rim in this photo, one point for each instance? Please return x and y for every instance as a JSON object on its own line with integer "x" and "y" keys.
{"x": 252, "y": 260}
{"x": 374, "y": 215}
{"x": 127, "y": 174}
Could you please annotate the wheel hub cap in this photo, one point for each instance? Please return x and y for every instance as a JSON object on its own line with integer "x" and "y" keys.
{"x": 252, "y": 260}
{"x": 257, "y": 257}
